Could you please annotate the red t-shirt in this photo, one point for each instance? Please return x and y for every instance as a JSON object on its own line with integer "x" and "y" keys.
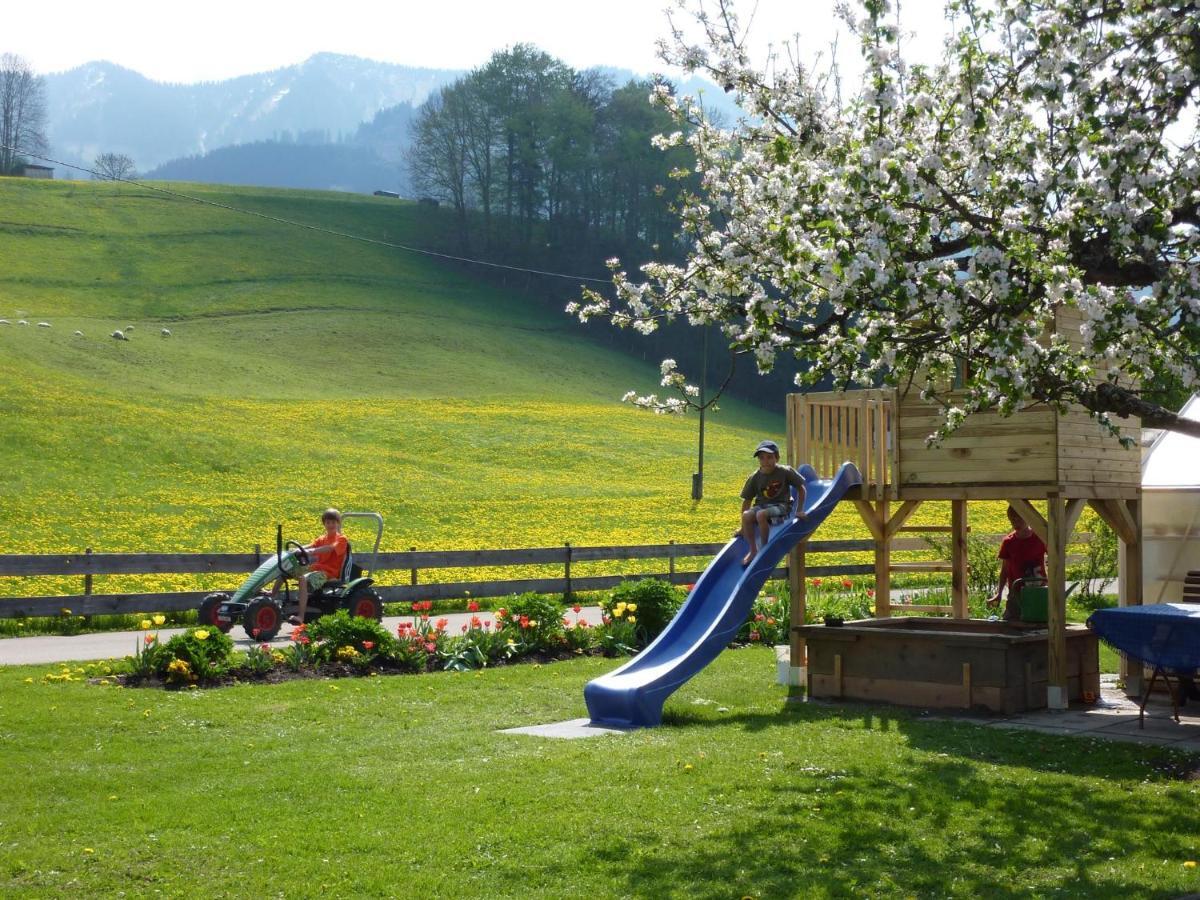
{"x": 331, "y": 563}
{"x": 1019, "y": 553}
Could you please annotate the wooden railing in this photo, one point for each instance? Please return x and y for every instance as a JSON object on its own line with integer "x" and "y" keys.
{"x": 829, "y": 428}
{"x": 401, "y": 571}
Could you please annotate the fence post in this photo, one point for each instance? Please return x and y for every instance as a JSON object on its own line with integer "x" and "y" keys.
{"x": 671, "y": 561}
{"x": 413, "y": 571}
{"x": 257, "y": 556}
{"x": 567, "y": 570}
{"x": 87, "y": 578}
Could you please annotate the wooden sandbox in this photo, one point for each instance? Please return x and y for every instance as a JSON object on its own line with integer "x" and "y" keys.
{"x": 945, "y": 663}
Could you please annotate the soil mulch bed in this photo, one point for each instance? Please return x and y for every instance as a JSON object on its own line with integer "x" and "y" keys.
{"x": 324, "y": 671}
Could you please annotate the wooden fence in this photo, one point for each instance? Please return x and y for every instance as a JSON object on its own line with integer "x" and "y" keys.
{"x": 405, "y": 570}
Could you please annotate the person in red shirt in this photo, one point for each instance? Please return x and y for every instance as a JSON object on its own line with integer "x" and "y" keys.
{"x": 326, "y": 556}
{"x": 1022, "y": 555}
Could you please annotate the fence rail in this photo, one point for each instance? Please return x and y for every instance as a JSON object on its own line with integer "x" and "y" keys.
{"x": 405, "y": 566}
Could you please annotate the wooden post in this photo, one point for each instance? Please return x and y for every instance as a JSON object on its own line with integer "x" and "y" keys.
{"x": 883, "y": 563}
{"x": 567, "y": 570}
{"x": 413, "y": 571}
{"x": 87, "y": 579}
{"x": 257, "y": 556}
{"x": 1056, "y": 571}
{"x": 1129, "y": 583}
{"x": 671, "y": 562}
{"x": 798, "y": 585}
{"x": 958, "y": 557}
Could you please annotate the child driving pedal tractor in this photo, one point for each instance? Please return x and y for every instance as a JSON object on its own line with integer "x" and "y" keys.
{"x": 326, "y": 555}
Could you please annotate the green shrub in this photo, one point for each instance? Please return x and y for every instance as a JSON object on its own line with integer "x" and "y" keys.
{"x": 340, "y": 629}
{"x": 651, "y": 601}
{"x": 537, "y": 618}
{"x": 1099, "y": 564}
{"x": 206, "y": 651}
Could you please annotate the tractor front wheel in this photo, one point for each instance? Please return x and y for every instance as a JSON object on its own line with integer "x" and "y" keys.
{"x": 262, "y": 619}
{"x": 366, "y": 604}
{"x": 207, "y": 614}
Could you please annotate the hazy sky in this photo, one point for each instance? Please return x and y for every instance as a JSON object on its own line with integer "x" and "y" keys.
{"x": 217, "y": 39}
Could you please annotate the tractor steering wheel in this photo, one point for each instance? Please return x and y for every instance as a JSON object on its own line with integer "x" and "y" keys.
{"x": 301, "y": 553}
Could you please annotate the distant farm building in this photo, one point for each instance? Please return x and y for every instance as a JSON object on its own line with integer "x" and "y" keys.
{"x": 429, "y": 201}
{"x": 387, "y": 194}
{"x": 31, "y": 171}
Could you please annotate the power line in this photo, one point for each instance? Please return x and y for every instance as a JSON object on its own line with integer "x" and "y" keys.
{"x": 317, "y": 228}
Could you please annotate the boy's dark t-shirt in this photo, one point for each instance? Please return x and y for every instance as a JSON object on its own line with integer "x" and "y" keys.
{"x": 765, "y": 488}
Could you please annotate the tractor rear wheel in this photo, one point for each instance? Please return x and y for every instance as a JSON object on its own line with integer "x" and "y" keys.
{"x": 365, "y": 604}
{"x": 262, "y": 619}
{"x": 207, "y": 614}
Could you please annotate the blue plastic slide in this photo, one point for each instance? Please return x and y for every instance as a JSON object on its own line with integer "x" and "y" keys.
{"x": 633, "y": 695}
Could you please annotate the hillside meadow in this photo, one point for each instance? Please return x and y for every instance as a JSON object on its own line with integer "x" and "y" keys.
{"x": 305, "y": 370}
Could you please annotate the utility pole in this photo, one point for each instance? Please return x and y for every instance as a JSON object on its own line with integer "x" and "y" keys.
{"x": 698, "y": 478}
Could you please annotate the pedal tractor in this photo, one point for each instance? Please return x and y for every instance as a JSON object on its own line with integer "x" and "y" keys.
{"x": 262, "y": 615}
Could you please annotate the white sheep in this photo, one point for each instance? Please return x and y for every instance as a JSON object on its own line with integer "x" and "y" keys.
{"x": 119, "y": 335}
{"x": 43, "y": 324}
{"x": 5, "y": 322}
{"x": 22, "y": 322}
{"x": 166, "y": 332}
{"x": 128, "y": 328}
{"x": 79, "y": 334}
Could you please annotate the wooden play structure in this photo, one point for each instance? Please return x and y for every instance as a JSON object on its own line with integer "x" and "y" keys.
{"x": 1035, "y": 456}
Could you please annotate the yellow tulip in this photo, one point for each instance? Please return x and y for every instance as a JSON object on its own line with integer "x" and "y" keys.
{"x": 160, "y": 620}
{"x": 146, "y": 623}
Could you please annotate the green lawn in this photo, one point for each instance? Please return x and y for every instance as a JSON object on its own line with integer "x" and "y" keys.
{"x": 401, "y": 786}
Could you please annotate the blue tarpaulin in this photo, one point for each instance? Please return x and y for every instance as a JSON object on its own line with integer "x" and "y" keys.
{"x": 1163, "y": 635}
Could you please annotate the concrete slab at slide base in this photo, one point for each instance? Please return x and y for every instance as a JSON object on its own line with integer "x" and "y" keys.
{"x": 568, "y": 730}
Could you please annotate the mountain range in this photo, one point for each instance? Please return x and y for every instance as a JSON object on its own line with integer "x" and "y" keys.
{"x": 101, "y": 107}
{"x": 331, "y": 122}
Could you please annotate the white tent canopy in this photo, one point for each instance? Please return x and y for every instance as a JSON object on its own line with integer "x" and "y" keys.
{"x": 1171, "y": 511}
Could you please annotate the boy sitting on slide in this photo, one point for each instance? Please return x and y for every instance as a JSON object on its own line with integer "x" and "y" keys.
{"x": 765, "y": 496}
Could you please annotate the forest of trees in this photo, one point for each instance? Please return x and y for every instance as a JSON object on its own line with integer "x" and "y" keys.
{"x": 549, "y": 167}
{"x": 529, "y": 153}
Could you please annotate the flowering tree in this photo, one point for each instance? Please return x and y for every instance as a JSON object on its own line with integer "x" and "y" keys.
{"x": 932, "y": 223}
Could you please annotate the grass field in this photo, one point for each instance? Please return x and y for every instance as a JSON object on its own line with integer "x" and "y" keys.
{"x": 305, "y": 370}
{"x": 401, "y": 786}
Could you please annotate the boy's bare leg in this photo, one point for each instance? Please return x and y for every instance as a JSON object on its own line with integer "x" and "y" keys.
{"x": 748, "y": 532}
{"x": 764, "y": 527}
{"x": 302, "y": 593}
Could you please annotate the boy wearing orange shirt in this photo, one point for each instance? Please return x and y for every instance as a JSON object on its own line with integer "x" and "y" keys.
{"x": 326, "y": 556}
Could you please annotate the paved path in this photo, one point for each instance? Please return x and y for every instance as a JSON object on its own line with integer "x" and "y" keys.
{"x": 116, "y": 644}
{"x": 1114, "y": 717}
